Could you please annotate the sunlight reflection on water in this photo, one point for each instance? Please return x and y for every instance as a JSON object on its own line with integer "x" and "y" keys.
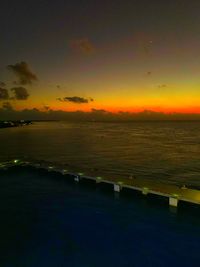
{"x": 155, "y": 150}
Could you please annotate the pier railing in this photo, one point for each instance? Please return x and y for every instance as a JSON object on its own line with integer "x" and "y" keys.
{"x": 146, "y": 186}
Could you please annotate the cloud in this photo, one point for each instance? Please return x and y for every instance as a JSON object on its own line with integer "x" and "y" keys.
{"x": 7, "y": 106}
{"x": 20, "y": 93}
{"x": 4, "y": 94}
{"x": 98, "y": 110}
{"x": 149, "y": 73}
{"x": 75, "y": 99}
{"x": 82, "y": 45}
{"x": 46, "y": 108}
{"x": 162, "y": 86}
{"x": 8, "y": 113}
{"x": 2, "y": 84}
{"x": 23, "y": 73}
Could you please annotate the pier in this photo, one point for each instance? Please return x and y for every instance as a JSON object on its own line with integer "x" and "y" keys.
{"x": 174, "y": 193}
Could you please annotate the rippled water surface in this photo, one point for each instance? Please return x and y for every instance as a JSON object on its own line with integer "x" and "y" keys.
{"x": 168, "y": 151}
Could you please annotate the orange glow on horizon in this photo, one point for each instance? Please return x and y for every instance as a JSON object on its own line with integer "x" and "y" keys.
{"x": 114, "y": 109}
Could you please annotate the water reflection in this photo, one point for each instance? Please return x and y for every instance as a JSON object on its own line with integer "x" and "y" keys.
{"x": 154, "y": 150}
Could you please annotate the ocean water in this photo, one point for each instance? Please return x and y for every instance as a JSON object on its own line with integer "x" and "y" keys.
{"x": 166, "y": 151}
{"x": 46, "y": 220}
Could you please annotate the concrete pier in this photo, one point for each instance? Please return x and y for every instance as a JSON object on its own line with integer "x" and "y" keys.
{"x": 174, "y": 193}
{"x": 173, "y": 202}
{"x": 145, "y": 190}
{"x": 77, "y": 178}
{"x": 117, "y": 188}
{"x": 98, "y": 179}
{"x": 64, "y": 171}
{"x": 50, "y": 168}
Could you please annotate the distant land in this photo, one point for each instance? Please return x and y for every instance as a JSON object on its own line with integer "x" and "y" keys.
{"x": 8, "y": 124}
{"x": 95, "y": 115}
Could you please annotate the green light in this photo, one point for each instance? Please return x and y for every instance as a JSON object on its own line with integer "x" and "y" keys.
{"x": 16, "y": 161}
{"x": 50, "y": 167}
{"x": 120, "y": 183}
{"x": 175, "y": 195}
{"x": 145, "y": 190}
{"x": 80, "y": 173}
{"x": 99, "y": 178}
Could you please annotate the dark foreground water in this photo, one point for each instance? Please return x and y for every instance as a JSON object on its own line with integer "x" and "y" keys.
{"x": 167, "y": 151}
{"x": 46, "y": 220}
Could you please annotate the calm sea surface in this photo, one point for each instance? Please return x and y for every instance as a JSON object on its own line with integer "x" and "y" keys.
{"x": 48, "y": 220}
{"x": 167, "y": 151}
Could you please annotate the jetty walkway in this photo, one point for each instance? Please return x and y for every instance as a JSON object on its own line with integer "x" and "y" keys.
{"x": 173, "y": 192}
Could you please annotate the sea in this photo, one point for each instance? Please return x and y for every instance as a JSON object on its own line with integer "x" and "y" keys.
{"x": 46, "y": 219}
{"x": 168, "y": 151}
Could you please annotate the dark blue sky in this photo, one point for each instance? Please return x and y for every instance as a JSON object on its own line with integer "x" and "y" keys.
{"x": 31, "y": 27}
{"x": 127, "y": 39}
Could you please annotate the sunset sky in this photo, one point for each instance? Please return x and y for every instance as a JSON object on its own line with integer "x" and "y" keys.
{"x": 111, "y": 55}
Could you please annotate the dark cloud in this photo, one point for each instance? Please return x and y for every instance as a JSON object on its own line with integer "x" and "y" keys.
{"x": 162, "y": 86}
{"x": 149, "y": 73}
{"x": 75, "y": 99}
{"x": 2, "y": 84}
{"x": 20, "y": 93}
{"x": 82, "y": 45}
{"x": 4, "y": 94}
{"x": 7, "y": 106}
{"x": 98, "y": 110}
{"x": 46, "y": 108}
{"x": 23, "y": 72}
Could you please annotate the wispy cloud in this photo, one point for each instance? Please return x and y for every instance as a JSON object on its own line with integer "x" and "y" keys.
{"x": 23, "y": 73}
{"x": 83, "y": 45}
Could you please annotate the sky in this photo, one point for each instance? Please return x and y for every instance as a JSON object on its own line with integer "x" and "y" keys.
{"x": 106, "y": 56}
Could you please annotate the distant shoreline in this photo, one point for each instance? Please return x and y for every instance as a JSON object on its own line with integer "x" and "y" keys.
{"x": 10, "y": 124}
{"x": 19, "y": 123}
